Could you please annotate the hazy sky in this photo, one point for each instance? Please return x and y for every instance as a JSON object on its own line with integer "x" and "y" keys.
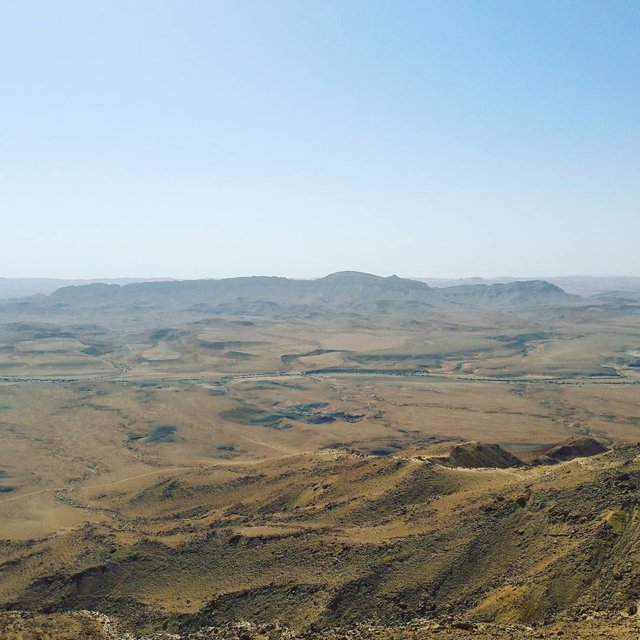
{"x": 220, "y": 138}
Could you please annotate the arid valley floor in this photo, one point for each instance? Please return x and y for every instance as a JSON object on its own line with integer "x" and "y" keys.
{"x": 348, "y": 457}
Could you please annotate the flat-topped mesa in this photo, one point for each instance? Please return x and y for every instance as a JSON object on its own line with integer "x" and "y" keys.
{"x": 525, "y": 292}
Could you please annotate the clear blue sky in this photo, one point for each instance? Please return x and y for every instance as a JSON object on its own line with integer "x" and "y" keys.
{"x": 221, "y": 138}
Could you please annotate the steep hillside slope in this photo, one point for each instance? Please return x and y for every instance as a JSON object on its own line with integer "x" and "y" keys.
{"x": 337, "y": 538}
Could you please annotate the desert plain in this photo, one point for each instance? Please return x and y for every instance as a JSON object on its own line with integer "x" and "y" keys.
{"x": 359, "y": 455}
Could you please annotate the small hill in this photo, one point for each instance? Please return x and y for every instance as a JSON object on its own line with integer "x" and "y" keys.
{"x": 575, "y": 447}
{"x": 475, "y": 455}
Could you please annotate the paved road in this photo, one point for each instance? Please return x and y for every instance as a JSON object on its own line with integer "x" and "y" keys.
{"x": 352, "y": 373}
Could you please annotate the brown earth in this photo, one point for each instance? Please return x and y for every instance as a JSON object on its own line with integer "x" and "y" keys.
{"x": 178, "y": 459}
{"x": 574, "y": 447}
{"x": 473, "y": 455}
{"x": 91, "y": 626}
{"x": 335, "y": 537}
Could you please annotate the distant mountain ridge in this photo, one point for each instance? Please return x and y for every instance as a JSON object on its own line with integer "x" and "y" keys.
{"x": 13, "y": 288}
{"x": 346, "y": 290}
{"x": 336, "y": 290}
{"x": 22, "y": 287}
{"x": 579, "y": 285}
{"x": 513, "y": 292}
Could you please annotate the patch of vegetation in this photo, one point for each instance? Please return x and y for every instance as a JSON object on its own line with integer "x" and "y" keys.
{"x": 216, "y": 346}
{"x": 309, "y": 407}
{"x": 227, "y": 451}
{"x": 608, "y": 372}
{"x": 287, "y": 358}
{"x": 160, "y": 434}
{"x": 524, "y": 337}
{"x": 52, "y": 333}
{"x": 384, "y": 451}
{"x": 3, "y": 476}
{"x": 239, "y": 355}
{"x": 255, "y": 417}
{"x": 5, "y": 406}
{"x": 165, "y": 334}
{"x": 163, "y": 433}
{"x": 634, "y": 363}
{"x": 273, "y": 384}
{"x": 309, "y": 413}
{"x": 93, "y": 351}
{"x": 219, "y": 345}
